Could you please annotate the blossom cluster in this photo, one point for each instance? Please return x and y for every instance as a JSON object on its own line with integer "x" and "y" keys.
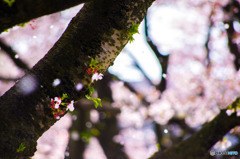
{"x": 232, "y": 110}
{"x": 33, "y": 24}
{"x": 59, "y": 108}
{"x": 93, "y": 70}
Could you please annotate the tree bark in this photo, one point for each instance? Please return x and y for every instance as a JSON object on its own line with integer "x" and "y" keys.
{"x": 98, "y": 31}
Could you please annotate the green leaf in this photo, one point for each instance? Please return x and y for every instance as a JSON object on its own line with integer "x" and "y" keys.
{"x": 95, "y": 132}
{"x": 87, "y": 96}
{"x": 21, "y": 147}
{"x": 9, "y": 2}
{"x": 22, "y": 24}
{"x": 131, "y": 39}
{"x": 86, "y": 136}
{"x": 132, "y": 30}
{"x": 96, "y": 101}
{"x": 91, "y": 90}
{"x": 64, "y": 96}
{"x": 93, "y": 62}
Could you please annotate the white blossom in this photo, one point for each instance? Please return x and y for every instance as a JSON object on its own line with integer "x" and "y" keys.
{"x": 58, "y": 102}
{"x": 70, "y": 106}
{"x": 97, "y": 76}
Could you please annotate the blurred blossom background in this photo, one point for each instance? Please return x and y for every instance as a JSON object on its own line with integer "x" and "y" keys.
{"x": 177, "y": 74}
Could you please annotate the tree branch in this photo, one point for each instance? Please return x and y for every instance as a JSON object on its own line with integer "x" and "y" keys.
{"x": 198, "y": 145}
{"x": 88, "y": 105}
{"x": 233, "y": 10}
{"x": 24, "y": 10}
{"x": 208, "y": 60}
{"x": 163, "y": 59}
{"x": 98, "y": 31}
{"x": 12, "y": 54}
{"x": 8, "y": 79}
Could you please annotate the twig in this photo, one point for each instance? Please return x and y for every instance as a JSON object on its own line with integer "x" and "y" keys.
{"x": 12, "y": 54}
{"x": 233, "y": 47}
{"x": 8, "y": 79}
{"x": 88, "y": 105}
{"x": 208, "y": 61}
{"x": 139, "y": 67}
{"x": 163, "y": 59}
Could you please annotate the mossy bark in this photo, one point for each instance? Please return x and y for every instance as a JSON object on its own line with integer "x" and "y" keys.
{"x": 197, "y": 146}
{"x": 98, "y": 31}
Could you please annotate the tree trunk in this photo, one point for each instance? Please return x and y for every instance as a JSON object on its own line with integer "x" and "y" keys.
{"x": 99, "y": 31}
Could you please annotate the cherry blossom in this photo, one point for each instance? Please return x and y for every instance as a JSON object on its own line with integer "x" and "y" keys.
{"x": 59, "y": 108}
{"x": 58, "y": 101}
{"x": 70, "y": 106}
{"x": 97, "y": 76}
{"x": 230, "y": 111}
{"x": 224, "y": 144}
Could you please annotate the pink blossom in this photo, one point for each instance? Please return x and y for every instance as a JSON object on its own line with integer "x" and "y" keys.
{"x": 56, "y": 116}
{"x": 89, "y": 70}
{"x": 57, "y": 102}
{"x": 230, "y": 111}
{"x": 33, "y": 24}
{"x": 97, "y": 76}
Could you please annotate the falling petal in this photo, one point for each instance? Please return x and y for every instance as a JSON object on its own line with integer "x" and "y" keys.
{"x": 79, "y": 86}
{"x": 56, "y": 82}
{"x": 27, "y": 84}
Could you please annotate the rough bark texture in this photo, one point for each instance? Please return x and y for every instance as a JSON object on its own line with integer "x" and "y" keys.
{"x": 98, "y": 31}
{"x": 25, "y": 10}
{"x": 198, "y": 145}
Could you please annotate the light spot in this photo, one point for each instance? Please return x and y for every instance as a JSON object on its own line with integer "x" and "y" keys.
{"x": 34, "y": 37}
{"x": 164, "y": 75}
{"x": 75, "y": 136}
{"x": 16, "y": 56}
{"x": 67, "y": 154}
{"x": 27, "y": 84}
{"x": 56, "y": 82}
{"x": 79, "y": 86}
{"x": 165, "y": 131}
{"x": 74, "y": 117}
{"x": 226, "y": 26}
{"x": 88, "y": 124}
